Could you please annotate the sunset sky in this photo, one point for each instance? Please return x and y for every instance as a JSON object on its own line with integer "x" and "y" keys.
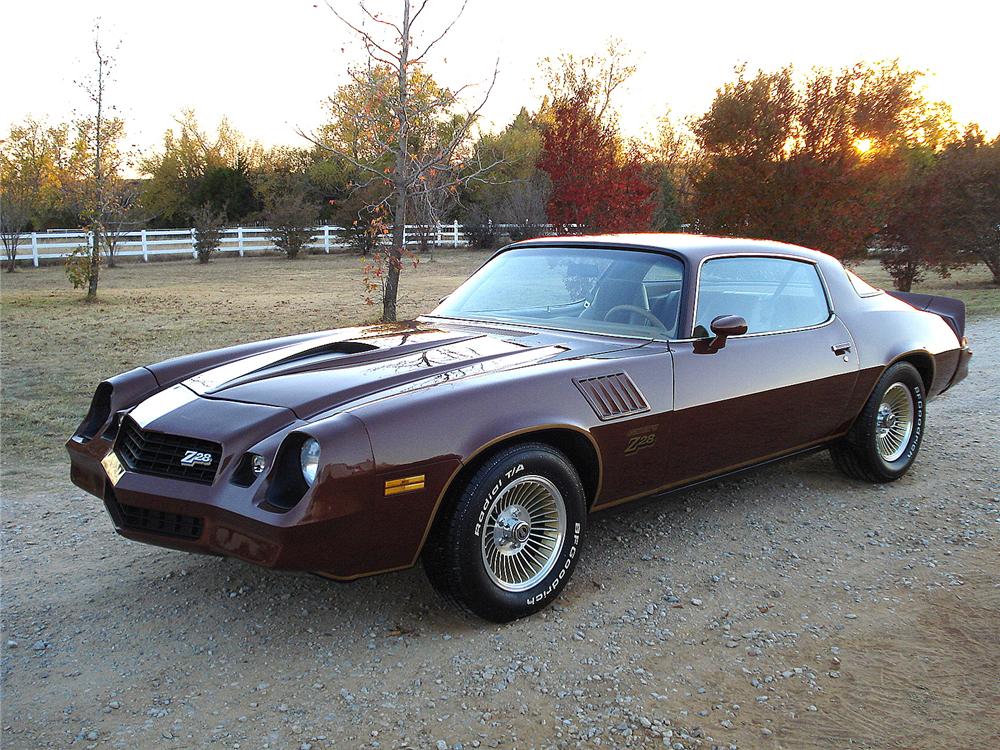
{"x": 268, "y": 65}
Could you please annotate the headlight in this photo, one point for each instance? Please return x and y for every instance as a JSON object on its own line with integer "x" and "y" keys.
{"x": 309, "y": 459}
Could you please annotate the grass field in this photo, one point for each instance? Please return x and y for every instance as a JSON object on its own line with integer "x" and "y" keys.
{"x": 54, "y": 348}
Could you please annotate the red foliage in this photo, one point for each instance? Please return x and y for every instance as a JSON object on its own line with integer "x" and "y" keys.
{"x": 595, "y": 182}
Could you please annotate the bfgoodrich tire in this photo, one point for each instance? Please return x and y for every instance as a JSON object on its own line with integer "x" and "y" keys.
{"x": 883, "y": 442}
{"x": 507, "y": 544}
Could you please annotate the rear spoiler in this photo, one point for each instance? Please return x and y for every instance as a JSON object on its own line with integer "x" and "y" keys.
{"x": 949, "y": 308}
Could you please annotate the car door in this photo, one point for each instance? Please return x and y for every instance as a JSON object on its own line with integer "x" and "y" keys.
{"x": 783, "y": 385}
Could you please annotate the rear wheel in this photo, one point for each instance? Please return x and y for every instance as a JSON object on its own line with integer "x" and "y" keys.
{"x": 508, "y": 543}
{"x": 883, "y": 442}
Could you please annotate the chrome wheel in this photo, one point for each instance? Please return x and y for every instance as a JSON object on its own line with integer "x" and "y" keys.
{"x": 523, "y": 533}
{"x": 894, "y": 422}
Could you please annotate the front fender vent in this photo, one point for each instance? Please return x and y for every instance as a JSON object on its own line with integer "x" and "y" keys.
{"x": 612, "y": 396}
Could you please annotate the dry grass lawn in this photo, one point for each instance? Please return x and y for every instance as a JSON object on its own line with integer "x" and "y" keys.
{"x": 56, "y": 348}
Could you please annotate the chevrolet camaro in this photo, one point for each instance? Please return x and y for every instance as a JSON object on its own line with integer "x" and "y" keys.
{"x": 567, "y": 375}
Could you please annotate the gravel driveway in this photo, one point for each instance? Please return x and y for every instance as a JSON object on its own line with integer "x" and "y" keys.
{"x": 789, "y": 608}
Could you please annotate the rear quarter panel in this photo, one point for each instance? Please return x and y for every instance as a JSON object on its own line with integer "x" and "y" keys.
{"x": 886, "y": 330}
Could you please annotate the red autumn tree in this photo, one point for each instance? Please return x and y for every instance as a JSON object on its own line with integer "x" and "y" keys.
{"x": 817, "y": 164}
{"x": 597, "y": 182}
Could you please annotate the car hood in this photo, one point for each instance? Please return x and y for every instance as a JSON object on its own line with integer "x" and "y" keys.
{"x": 351, "y": 365}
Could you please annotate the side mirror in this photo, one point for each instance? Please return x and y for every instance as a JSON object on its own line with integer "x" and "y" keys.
{"x": 725, "y": 326}
{"x": 440, "y": 301}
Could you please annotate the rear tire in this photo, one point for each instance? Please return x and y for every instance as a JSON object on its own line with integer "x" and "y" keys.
{"x": 507, "y": 544}
{"x": 883, "y": 442}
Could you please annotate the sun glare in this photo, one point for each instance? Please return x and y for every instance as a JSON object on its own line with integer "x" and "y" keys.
{"x": 863, "y": 145}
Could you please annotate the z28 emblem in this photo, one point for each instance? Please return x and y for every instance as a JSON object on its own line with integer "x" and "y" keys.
{"x": 643, "y": 437}
{"x": 639, "y": 442}
{"x": 193, "y": 458}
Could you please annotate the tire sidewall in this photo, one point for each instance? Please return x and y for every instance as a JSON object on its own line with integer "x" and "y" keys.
{"x": 909, "y": 377}
{"x": 482, "y": 594}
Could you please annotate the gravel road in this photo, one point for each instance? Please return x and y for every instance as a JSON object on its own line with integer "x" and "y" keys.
{"x": 789, "y": 608}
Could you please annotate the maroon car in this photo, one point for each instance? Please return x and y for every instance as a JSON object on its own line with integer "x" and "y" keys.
{"x": 566, "y": 375}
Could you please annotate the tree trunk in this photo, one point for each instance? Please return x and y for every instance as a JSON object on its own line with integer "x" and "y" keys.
{"x": 400, "y": 181}
{"x": 993, "y": 263}
{"x": 395, "y": 262}
{"x": 95, "y": 265}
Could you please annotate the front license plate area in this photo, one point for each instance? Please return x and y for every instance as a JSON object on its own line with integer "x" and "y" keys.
{"x": 113, "y": 467}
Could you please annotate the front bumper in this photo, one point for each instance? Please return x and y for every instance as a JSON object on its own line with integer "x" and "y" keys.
{"x": 344, "y": 528}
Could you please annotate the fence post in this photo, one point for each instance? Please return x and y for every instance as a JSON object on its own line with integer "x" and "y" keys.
{"x": 145, "y": 246}
{"x": 326, "y": 238}
{"x": 34, "y": 249}
{"x": 239, "y": 239}
{"x": 404, "y": 236}
{"x": 454, "y": 242}
{"x": 194, "y": 239}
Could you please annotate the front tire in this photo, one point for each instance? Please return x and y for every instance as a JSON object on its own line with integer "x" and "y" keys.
{"x": 883, "y": 442}
{"x": 508, "y": 543}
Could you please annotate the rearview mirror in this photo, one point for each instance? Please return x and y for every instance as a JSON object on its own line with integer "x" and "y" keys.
{"x": 725, "y": 326}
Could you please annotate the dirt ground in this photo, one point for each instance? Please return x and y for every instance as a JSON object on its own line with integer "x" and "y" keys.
{"x": 787, "y": 608}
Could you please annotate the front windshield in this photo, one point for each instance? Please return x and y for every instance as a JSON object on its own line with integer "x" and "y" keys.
{"x": 594, "y": 290}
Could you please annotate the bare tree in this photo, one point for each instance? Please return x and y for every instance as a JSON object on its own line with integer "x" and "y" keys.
{"x": 121, "y": 216}
{"x": 15, "y": 209}
{"x": 391, "y": 45}
{"x": 598, "y": 76}
{"x": 98, "y": 133}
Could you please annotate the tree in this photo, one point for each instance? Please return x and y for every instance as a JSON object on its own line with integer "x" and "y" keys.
{"x": 913, "y": 240}
{"x": 819, "y": 165}
{"x": 31, "y": 169}
{"x": 208, "y": 228}
{"x": 15, "y": 210}
{"x": 124, "y": 214}
{"x": 228, "y": 189}
{"x": 596, "y": 77}
{"x": 673, "y": 165}
{"x": 194, "y": 168}
{"x": 517, "y": 191}
{"x": 292, "y": 222}
{"x": 393, "y": 55}
{"x": 666, "y": 209}
{"x": 743, "y": 136}
{"x": 597, "y": 181}
{"x": 970, "y": 187}
{"x": 96, "y": 163}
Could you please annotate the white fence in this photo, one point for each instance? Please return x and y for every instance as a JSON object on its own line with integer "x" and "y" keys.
{"x": 242, "y": 240}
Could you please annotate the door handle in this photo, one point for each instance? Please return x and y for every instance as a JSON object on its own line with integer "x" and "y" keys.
{"x": 839, "y": 349}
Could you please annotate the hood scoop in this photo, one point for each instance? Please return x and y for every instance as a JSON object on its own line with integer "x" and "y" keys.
{"x": 317, "y": 358}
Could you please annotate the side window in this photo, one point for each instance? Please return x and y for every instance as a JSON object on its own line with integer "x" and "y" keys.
{"x": 772, "y": 294}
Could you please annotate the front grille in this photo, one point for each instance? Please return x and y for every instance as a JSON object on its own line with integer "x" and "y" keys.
{"x": 153, "y": 521}
{"x": 612, "y": 396}
{"x": 159, "y": 454}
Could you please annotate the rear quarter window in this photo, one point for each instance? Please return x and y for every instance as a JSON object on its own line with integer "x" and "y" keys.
{"x": 862, "y": 287}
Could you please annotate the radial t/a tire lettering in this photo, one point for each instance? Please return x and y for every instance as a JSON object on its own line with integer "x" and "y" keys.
{"x": 507, "y": 542}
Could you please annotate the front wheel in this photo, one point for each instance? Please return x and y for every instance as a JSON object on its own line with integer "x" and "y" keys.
{"x": 883, "y": 442}
{"x": 507, "y": 545}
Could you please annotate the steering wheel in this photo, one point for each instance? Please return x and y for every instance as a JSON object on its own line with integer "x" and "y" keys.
{"x": 642, "y": 312}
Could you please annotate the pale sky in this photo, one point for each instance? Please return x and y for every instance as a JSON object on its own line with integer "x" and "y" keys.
{"x": 267, "y": 65}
